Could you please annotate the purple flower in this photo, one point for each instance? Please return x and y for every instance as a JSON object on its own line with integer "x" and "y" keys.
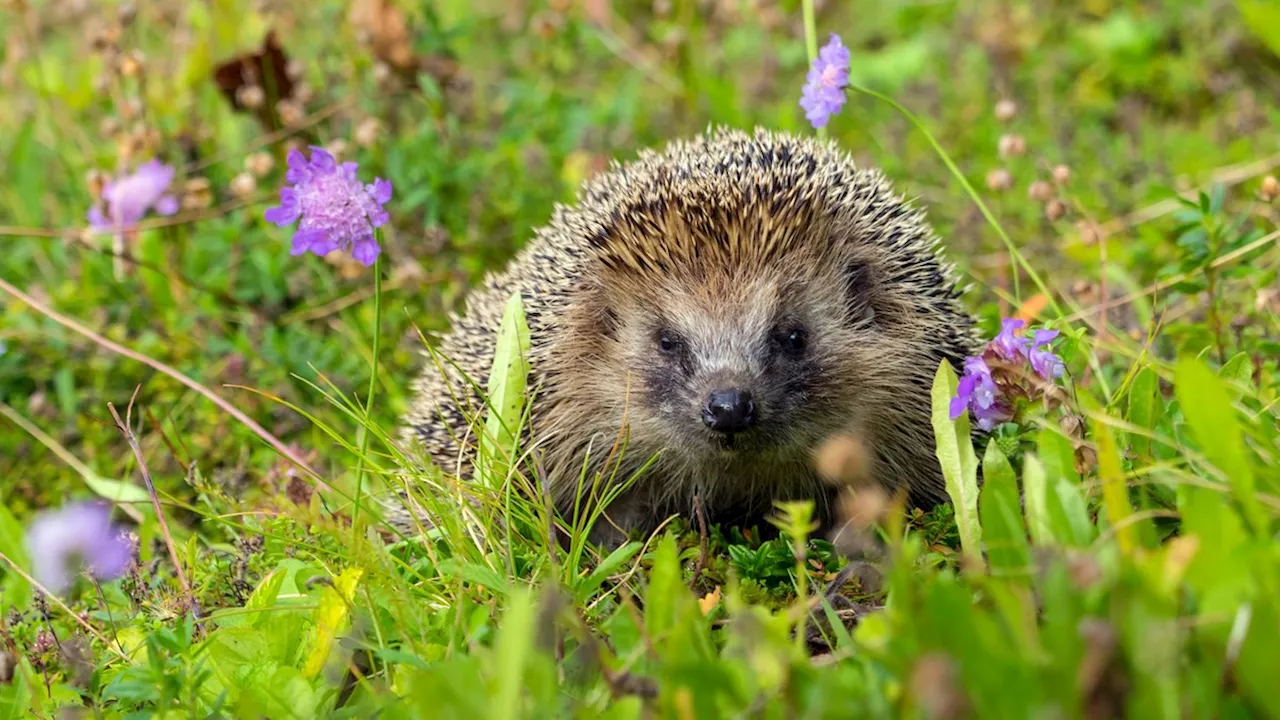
{"x": 977, "y": 393}
{"x": 59, "y": 540}
{"x": 823, "y": 93}
{"x": 129, "y": 198}
{"x": 1044, "y": 362}
{"x": 1006, "y": 344}
{"x": 337, "y": 211}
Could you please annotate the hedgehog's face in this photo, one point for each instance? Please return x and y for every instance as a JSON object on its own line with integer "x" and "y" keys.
{"x": 758, "y": 367}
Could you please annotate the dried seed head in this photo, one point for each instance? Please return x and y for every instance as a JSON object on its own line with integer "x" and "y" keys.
{"x": 290, "y": 112}
{"x": 250, "y": 96}
{"x": 843, "y": 460}
{"x": 126, "y": 13}
{"x": 864, "y": 506}
{"x": 302, "y": 93}
{"x": 259, "y": 163}
{"x": 243, "y": 185}
{"x": 1061, "y": 174}
{"x": 1268, "y": 298}
{"x": 999, "y": 180}
{"x": 106, "y": 37}
{"x": 293, "y": 69}
{"x": 1090, "y": 233}
{"x": 130, "y": 108}
{"x": 367, "y": 132}
{"x": 1040, "y": 191}
{"x": 381, "y": 72}
{"x": 337, "y": 147}
{"x": 1005, "y": 110}
{"x": 96, "y": 180}
{"x": 1270, "y": 188}
{"x": 197, "y": 193}
{"x": 108, "y": 127}
{"x": 1055, "y": 209}
{"x": 1012, "y": 145}
{"x": 131, "y": 64}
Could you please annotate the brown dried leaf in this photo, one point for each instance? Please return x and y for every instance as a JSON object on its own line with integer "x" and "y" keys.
{"x": 382, "y": 26}
{"x": 264, "y": 70}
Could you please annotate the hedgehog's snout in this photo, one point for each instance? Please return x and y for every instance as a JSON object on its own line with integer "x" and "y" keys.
{"x": 729, "y": 410}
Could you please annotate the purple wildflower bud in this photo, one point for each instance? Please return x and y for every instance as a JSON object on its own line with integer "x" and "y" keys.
{"x": 1044, "y": 361}
{"x": 58, "y": 540}
{"x": 129, "y": 198}
{"x": 1007, "y": 344}
{"x": 337, "y": 211}
{"x": 824, "y": 89}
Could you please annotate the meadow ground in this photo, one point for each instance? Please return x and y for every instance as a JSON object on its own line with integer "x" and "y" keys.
{"x": 1121, "y": 559}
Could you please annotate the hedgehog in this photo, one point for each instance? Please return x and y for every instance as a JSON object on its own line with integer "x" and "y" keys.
{"x": 718, "y": 308}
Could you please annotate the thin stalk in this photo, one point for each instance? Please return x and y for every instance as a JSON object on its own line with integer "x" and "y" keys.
{"x": 373, "y": 387}
{"x": 973, "y": 195}
{"x": 811, "y": 43}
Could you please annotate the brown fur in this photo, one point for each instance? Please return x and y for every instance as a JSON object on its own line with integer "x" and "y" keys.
{"x": 725, "y": 240}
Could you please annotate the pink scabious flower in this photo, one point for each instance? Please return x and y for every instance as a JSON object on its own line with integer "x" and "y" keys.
{"x": 128, "y": 198}
{"x": 59, "y": 541}
{"x": 336, "y": 210}
{"x": 996, "y": 379}
{"x": 824, "y": 89}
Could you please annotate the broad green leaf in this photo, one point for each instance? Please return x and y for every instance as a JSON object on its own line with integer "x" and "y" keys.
{"x": 1143, "y": 409}
{"x": 1075, "y": 510}
{"x": 959, "y": 463}
{"x": 514, "y": 648}
{"x": 1220, "y": 572}
{"x": 1002, "y": 528}
{"x": 606, "y": 568}
{"x": 506, "y": 393}
{"x": 331, "y": 618}
{"x": 1115, "y": 493}
{"x": 1238, "y": 374}
{"x": 263, "y": 598}
{"x": 1206, "y": 404}
{"x": 475, "y": 573}
{"x": 663, "y": 596}
{"x": 1262, "y": 17}
{"x": 1036, "y": 501}
{"x": 1058, "y": 457}
{"x": 17, "y": 591}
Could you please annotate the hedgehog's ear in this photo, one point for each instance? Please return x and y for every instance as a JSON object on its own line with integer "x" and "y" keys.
{"x": 859, "y": 288}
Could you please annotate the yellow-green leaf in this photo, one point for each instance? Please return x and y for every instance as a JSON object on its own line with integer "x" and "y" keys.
{"x": 959, "y": 463}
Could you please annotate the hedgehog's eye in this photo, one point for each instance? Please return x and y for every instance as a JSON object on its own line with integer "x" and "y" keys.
{"x": 668, "y": 342}
{"x": 792, "y": 341}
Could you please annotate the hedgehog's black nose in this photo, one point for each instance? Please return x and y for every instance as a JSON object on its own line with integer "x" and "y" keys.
{"x": 729, "y": 411}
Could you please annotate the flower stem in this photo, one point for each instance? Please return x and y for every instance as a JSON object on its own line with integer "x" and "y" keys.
{"x": 973, "y": 194}
{"x": 811, "y": 42}
{"x": 368, "y": 401}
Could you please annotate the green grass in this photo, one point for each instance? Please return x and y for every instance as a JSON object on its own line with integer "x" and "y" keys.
{"x": 1119, "y": 559}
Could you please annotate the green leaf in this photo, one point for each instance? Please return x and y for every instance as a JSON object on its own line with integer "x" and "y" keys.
{"x": 1036, "y": 501}
{"x": 506, "y": 394}
{"x": 665, "y": 589}
{"x": 17, "y": 591}
{"x": 513, "y": 650}
{"x": 959, "y": 463}
{"x": 1238, "y": 373}
{"x": 1003, "y": 531}
{"x": 1262, "y": 17}
{"x": 1143, "y": 409}
{"x": 1206, "y": 404}
{"x": 1115, "y": 493}
{"x": 118, "y": 491}
{"x": 606, "y": 568}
